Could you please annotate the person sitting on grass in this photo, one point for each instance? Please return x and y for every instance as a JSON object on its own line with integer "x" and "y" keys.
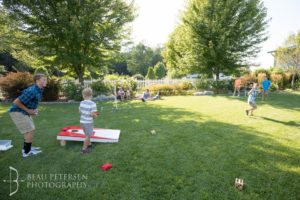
{"x": 23, "y": 108}
{"x": 146, "y": 96}
{"x": 251, "y": 99}
{"x": 88, "y": 111}
{"x": 266, "y": 83}
{"x": 121, "y": 94}
{"x": 128, "y": 94}
{"x": 157, "y": 96}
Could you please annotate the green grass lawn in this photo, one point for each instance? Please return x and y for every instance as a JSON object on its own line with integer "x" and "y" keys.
{"x": 201, "y": 145}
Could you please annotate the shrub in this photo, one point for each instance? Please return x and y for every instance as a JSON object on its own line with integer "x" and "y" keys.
{"x": 99, "y": 87}
{"x": 138, "y": 77}
{"x": 262, "y": 71}
{"x": 185, "y": 86}
{"x": 165, "y": 89}
{"x": 125, "y": 82}
{"x": 203, "y": 84}
{"x": 277, "y": 79}
{"x": 261, "y": 77}
{"x": 247, "y": 79}
{"x": 171, "y": 89}
{"x": 51, "y": 91}
{"x": 297, "y": 85}
{"x": 221, "y": 86}
{"x": 72, "y": 90}
{"x": 274, "y": 87}
{"x": 14, "y": 82}
{"x": 218, "y": 86}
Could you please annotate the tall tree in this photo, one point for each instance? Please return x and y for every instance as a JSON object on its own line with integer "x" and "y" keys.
{"x": 140, "y": 57}
{"x": 221, "y": 35}
{"x": 150, "y": 74}
{"x": 288, "y": 56}
{"x": 11, "y": 44}
{"x": 79, "y": 36}
{"x": 159, "y": 70}
{"x": 177, "y": 54}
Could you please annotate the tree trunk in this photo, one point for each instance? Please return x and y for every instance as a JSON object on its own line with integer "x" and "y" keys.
{"x": 79, "y": 73}
{"x": 80, "y": 78}
{"x": 293, "y": 80}
{"x": 217, "y": 75}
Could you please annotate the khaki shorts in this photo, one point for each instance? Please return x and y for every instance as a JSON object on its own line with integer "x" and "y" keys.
{"x": 23, "y": 122}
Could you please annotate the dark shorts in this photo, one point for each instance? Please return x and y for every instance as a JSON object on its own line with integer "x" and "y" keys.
{"x": 252, "y": 104}
{"x": 88, "y": 129}
{"x": 265, "y": 91}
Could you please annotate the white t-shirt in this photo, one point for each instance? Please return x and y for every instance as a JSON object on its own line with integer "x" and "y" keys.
{"x": 86, "y": 108}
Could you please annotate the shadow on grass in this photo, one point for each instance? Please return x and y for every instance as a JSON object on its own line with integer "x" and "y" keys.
{"x": 289, "y": 123}
{"x": 191, "y": 156}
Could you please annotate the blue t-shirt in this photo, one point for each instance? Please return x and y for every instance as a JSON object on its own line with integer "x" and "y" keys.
{"x": 266, "y": 84}
{"x": 30, "y": 97}
{"x": 146, "y": 95}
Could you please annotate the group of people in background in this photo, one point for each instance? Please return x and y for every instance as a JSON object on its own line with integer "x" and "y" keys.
{"x": 146, "y": 96}
{"x": 253, "y": 93}
{"x": 122, "y": 95}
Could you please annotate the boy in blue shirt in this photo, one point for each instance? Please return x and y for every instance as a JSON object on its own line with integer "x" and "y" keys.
{"x": 266, "y": 83}
{"x": 23, "y": 108}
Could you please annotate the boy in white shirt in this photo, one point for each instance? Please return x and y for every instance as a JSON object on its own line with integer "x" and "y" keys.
{"x": 88, "y": 111}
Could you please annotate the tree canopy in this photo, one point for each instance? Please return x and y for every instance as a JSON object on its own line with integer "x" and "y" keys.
{"x": 217, "y": 36}
{"x": 78, "y": 36}
{"x": 288, "y": 55}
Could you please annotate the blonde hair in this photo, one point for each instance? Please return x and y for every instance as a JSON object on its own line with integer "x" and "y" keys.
{"x": 38, "y": 77}
{"x": 87, "y": 92}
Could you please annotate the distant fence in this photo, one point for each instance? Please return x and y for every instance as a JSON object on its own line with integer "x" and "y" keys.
{"x": 142, "y": 83}
{"x": 147, "y": 83}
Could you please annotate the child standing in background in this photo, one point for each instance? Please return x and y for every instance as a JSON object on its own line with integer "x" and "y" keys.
{"x": 88, "y": 111}
{"x": 251, "y": 99}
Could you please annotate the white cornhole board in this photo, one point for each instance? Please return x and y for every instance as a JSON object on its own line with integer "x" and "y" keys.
{"x": 75, "y": 133}
{"x": 5, "y": 145}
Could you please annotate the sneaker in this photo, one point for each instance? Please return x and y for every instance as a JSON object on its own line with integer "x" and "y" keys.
{"x": 86, "y": 151}
{"x": 24, "y": 155}
{"x": 247, "y": 112}
{"x": 34, "y": 149}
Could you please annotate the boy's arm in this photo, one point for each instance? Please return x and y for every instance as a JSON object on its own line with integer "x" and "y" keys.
{"x": 23, "y": 107}
{"x": 250, "y": 92}
{"x": 94, "y": 112}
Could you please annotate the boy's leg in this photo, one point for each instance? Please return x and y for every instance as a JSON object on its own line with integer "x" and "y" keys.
{"x": 263, "y": 95}
{"x": 28, "y": 137}
{"x": 26, "y": 126}
{"x": 234, "y": 91}
{"x": 88, "y": 131}
{"x": 266, "y": 94}
{"x": 239, "y": 92}
{"x": 86, "y": 143}
{"x": 253, "y": 107}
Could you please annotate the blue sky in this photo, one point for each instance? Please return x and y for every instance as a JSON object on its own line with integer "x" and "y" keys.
{"x": 158, "y": 18}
